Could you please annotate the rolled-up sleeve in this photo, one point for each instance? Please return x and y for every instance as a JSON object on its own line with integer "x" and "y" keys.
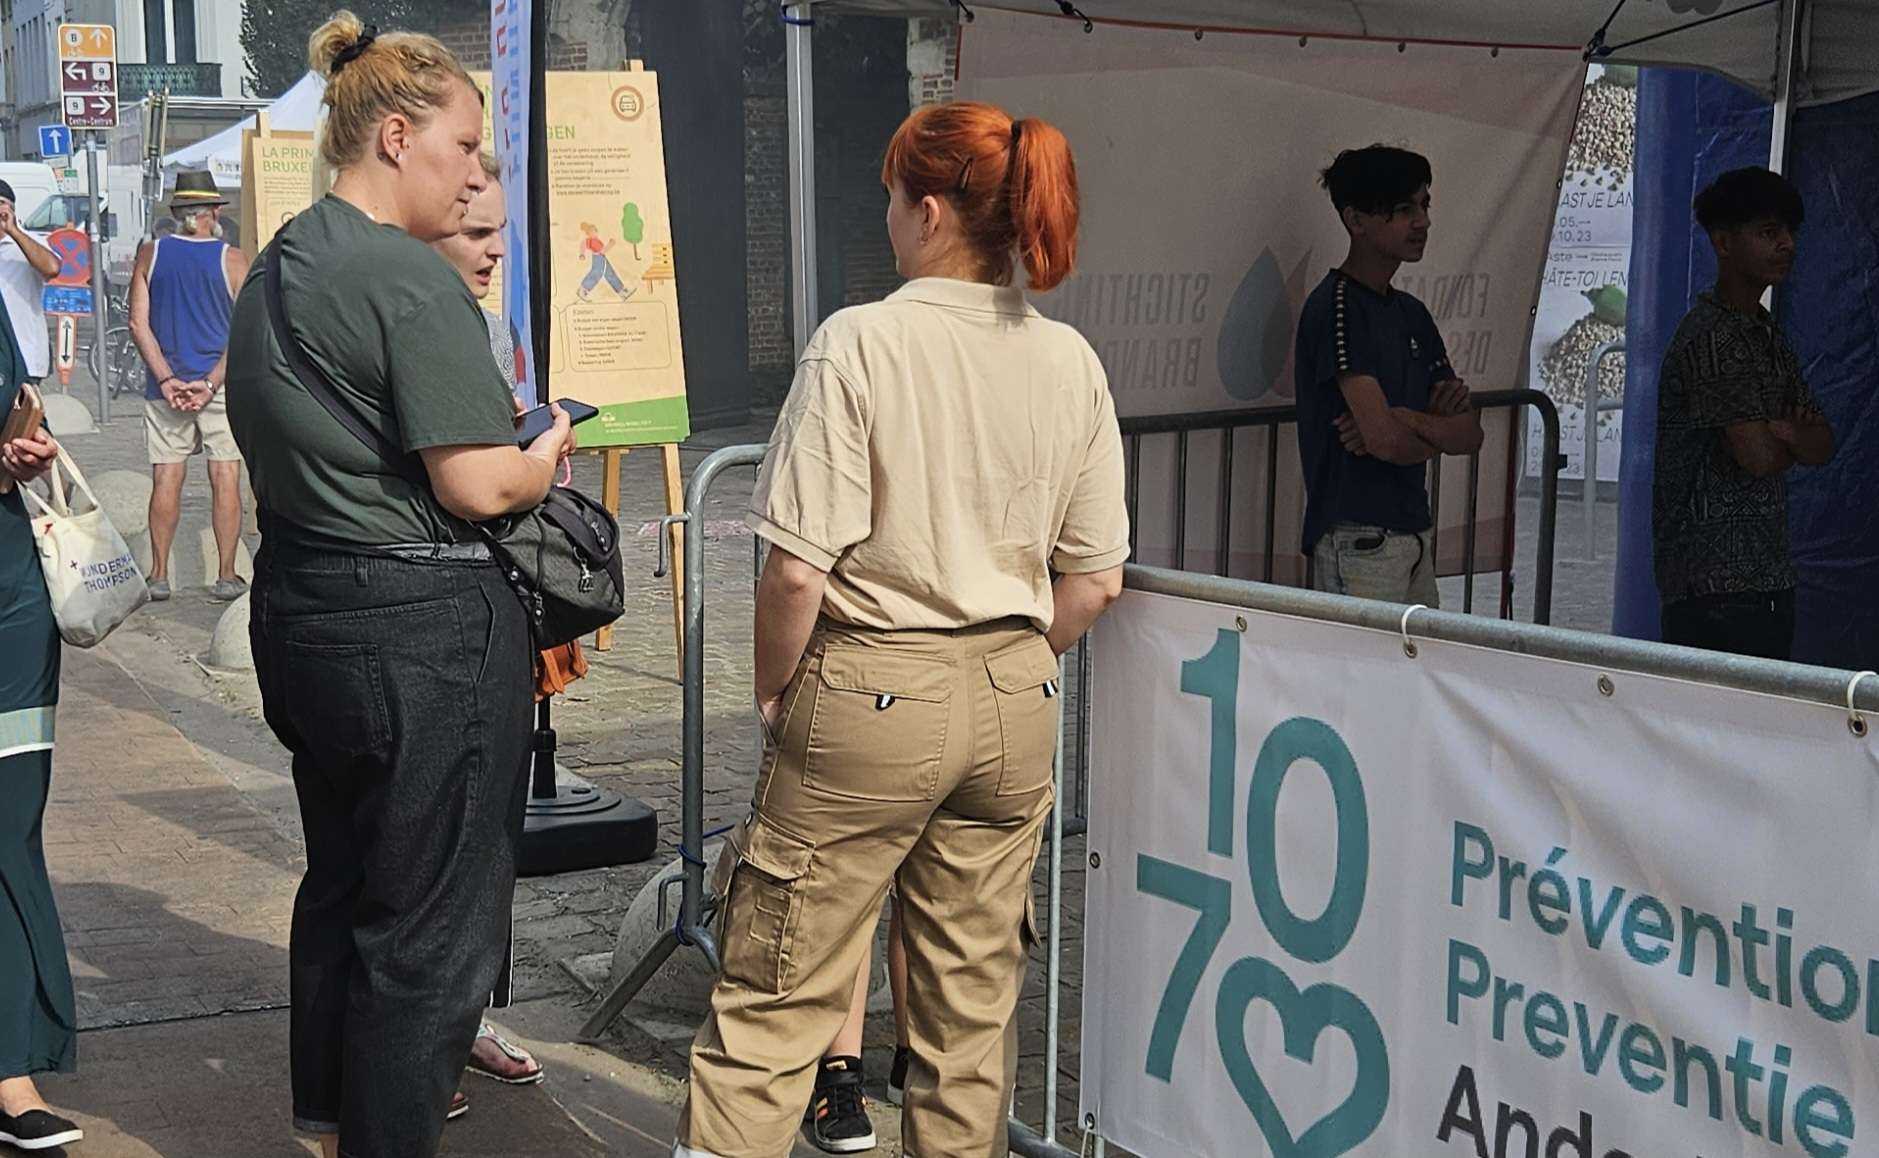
{"x": 814, "y": 496}
{"x": 1095, "y": 532}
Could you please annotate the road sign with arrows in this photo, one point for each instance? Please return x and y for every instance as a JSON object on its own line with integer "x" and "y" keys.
{"x": 88, "y": 75}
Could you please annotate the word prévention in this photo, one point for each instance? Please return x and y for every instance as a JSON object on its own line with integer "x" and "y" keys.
{"x": 1817, "y": 1118}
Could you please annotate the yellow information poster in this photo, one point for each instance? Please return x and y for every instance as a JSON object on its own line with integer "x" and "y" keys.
{"x": 276, "y": 183}
{"x": 615, "y": 289}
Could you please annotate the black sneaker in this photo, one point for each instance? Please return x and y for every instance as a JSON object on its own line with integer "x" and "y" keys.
{"x": 897, "y": 1077}
{"x": 837, "y": 1120}
{"x": 37, "y": 1130}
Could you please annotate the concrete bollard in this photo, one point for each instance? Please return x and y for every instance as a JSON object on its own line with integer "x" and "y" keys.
{"x": 67, "y": 416}
{"x": 229, "y": 649}
{"x": 683, "y": 984}
{"x": 125, "y": 497}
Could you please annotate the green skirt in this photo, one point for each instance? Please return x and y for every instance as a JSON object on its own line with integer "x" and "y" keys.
{"x": 38, "y": 1021}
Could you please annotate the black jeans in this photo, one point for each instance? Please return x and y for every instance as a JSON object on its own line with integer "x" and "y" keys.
{"x": 1757, "y": 623}
{"x": 403, "y": 691}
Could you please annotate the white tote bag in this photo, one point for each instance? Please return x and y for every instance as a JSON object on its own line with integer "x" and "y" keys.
{"x": 93, "y": 578}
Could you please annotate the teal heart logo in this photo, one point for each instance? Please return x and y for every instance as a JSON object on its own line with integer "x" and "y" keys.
{"x": 1305, "y": 1017}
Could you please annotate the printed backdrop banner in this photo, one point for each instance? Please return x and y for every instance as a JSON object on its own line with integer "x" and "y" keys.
{"x": 1204, "y": 228}
{"x": 1582, "y": 297}
{"x": 1345, "y": 901}
{"x": 509, "y": 110}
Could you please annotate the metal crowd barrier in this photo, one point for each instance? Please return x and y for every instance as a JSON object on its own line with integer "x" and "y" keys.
{"x": 1270, "y": 418}
{"x": 692, "y": 926}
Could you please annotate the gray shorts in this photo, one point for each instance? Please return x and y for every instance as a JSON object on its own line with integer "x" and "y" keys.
{"x": 1372, "y": 563}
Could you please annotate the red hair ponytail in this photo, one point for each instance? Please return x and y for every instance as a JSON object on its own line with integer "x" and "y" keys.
{"x": 1013, "y": 184}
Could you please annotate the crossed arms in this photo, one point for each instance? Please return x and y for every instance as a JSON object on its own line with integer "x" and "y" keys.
{"x": 1396, "y": 434}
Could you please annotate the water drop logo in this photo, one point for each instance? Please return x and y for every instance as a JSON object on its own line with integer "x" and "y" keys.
{"x": 1255, "y": 346}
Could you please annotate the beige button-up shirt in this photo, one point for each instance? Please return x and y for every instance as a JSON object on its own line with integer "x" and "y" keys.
{"x": 940, "y": 454}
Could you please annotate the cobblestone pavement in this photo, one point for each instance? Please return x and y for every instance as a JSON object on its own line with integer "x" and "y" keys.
{"x": 188, "y": 916}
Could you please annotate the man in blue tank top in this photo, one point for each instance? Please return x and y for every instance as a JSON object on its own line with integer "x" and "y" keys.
{"x": 182, "y": 292}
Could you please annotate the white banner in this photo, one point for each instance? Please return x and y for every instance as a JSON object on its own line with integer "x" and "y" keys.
{"x": 1345, "y": 901}
{"x": 1204, "y": 230}
{"x": 509, "y": 50}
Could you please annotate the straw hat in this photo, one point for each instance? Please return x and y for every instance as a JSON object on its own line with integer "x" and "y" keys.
{"x": 196, "y": 190}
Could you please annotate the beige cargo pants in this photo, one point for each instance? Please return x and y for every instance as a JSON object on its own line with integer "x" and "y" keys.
{"x": 922, "y": 756}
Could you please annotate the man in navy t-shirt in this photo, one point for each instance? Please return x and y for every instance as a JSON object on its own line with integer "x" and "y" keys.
{"x": 1377, "y": 398}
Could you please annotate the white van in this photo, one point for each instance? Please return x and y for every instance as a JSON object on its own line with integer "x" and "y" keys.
{"x": 33, "y": 184}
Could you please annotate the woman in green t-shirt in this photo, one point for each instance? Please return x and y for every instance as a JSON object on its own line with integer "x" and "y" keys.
{"x": 394, "y": 660}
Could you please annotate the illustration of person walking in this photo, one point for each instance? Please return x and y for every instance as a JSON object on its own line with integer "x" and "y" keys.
{"x": 600, "y": 266}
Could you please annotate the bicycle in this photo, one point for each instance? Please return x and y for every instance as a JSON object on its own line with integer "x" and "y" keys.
{"x": 127, "y": 368}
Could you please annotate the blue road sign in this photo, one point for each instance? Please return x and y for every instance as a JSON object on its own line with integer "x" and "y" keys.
{"x": 67, "y": 299}
{"x": 55, "y": 141}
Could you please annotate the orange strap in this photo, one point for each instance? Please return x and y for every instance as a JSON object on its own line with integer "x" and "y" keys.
{"x": 557, "y": 668}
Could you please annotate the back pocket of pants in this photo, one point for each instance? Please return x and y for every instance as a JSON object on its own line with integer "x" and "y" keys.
{"x": 763, "y": 905}
{"x": 1024, "y": 686}
{"x": 335, "y": 696}
{"x": 878, "y": 728}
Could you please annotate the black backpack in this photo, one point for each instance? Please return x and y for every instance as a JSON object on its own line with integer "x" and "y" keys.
{"x": 562, "y": 558}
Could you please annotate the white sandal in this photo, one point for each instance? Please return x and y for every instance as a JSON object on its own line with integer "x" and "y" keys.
{"x": 486, "y": 1032}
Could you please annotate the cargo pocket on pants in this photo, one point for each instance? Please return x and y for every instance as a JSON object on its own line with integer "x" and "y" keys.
{"x": 878, "y": 729}
{"x": 764, "y": 906}
{"x": 1024, "y": 686}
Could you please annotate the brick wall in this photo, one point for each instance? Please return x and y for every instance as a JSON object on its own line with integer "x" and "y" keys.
{"x": 858, "y": 111}
{"x": 766, "y": 222}
{"x": 932, "y": 61}
{"x": 470, "y": 42}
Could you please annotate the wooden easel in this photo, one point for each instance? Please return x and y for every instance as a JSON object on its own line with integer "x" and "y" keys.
{"x": 610, "y": 458}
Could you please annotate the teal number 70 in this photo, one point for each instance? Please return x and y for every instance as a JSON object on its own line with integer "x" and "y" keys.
{"x": 1213, "y": 899}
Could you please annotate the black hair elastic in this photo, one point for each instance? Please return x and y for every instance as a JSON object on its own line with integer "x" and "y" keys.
{"x": 354, "y": 51}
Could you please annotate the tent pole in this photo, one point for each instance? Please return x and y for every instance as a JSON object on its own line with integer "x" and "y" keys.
{"x": 1787, "y": 66}
{"x": 799, "y": 66}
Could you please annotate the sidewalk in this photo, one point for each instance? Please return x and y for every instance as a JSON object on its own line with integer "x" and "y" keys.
{"x": 174, "y": 843}
{"x": 175, "y": 889}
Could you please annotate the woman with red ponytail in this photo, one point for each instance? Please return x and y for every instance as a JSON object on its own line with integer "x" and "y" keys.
{"x": 943, "y": 497}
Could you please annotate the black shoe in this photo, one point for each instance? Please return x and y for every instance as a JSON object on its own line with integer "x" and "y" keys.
{"x": 897, "y": 1077}
{"x": 37, "y": 1130}
{"x": 837, "y": 1120}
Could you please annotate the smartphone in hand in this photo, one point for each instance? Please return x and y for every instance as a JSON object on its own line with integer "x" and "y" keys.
{"x": 532, "y": 424}
{"x": 23, "y": 421}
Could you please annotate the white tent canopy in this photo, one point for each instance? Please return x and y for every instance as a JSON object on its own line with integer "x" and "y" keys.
{"x": 296, "y": 110}
{"x": 1839, "y": 43}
